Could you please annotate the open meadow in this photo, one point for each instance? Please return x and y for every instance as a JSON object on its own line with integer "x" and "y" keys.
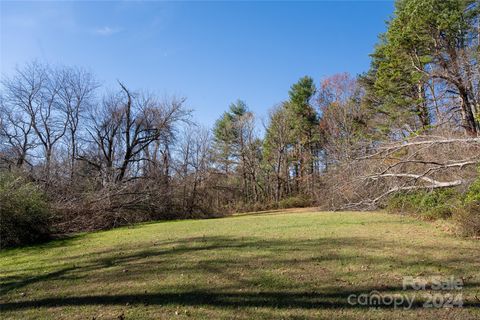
{"x": 279, "y": 265}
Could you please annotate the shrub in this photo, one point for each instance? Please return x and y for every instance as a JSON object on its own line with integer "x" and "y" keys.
{"x": 431, "y": 205}
{"x": 294, "y": 202}
{"x": 23, "y": 212}
{"x": 468, "y": 218}
{"x": 468, "y": 214}
{"x": 473, "y": 193}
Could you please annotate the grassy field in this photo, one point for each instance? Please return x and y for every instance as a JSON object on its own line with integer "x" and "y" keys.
{"x": 293, "y": 265}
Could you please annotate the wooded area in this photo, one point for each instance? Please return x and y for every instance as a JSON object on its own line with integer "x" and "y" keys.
{"x": 104, "y": 159}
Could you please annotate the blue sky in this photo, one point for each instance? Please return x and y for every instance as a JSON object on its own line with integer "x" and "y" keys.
{"x": 213, "y": 53}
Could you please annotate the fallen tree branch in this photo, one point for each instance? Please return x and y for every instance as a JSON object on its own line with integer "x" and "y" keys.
{"x": 386, "y": 150}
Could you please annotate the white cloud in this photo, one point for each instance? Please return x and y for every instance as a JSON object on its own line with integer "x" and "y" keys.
{"x": 106, "y": 31}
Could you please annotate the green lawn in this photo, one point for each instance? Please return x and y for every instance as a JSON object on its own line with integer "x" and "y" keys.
{"x": 292, "y": 265}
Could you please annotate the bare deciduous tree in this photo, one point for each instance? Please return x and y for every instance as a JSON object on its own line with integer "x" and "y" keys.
{"x": 76, "y": 95}
{"x": 35, "y": 90}
{"x": 16, "y": 136}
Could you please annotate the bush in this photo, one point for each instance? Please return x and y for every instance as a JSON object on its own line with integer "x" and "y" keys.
{"x": 468, "y": 214}
{"x": 294, "y": 202}
{"x": 23, "y": 212}
{"x": 468, "y": 218}
{"x": 442, "y": 203}
{"x": 431, "y": 205}
{"x": 473, "y": 193}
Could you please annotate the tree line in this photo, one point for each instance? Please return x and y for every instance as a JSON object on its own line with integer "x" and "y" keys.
{"x": 106, "y": 158}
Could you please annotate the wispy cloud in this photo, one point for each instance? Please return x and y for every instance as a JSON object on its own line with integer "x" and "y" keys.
{"x": 106, "y": 31}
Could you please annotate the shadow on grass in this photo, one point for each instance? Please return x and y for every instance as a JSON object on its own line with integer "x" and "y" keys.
{"x": 56, "y": 241}
{"x": 219, "y": 299}
{"x": 20, "y": 282}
